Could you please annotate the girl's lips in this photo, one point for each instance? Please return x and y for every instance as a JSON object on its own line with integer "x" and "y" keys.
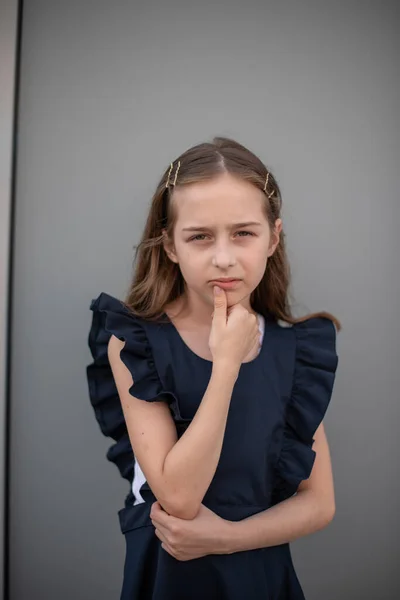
{"x": 227, "y": 285}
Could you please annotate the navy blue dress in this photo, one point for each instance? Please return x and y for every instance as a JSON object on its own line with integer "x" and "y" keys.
{"x": 278, "y": 402}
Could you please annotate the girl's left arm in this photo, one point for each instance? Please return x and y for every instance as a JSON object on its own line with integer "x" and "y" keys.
{"x": 311, "y": 509}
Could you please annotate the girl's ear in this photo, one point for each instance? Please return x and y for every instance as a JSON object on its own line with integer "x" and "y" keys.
{"x": 169, "y": 247}
{"x": 275, "y": 236}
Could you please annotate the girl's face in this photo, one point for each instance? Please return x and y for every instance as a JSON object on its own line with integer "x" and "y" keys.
{"x": 221, "y": 232}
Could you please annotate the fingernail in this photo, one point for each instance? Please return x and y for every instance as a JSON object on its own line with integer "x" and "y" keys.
{"x": 217, "y": 290}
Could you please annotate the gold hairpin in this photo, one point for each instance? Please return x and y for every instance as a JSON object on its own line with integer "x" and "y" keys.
{"x": 176, "y": 172}
{"x": 265, "y": 187}
{"x": 169, "y": 174}
{"x": 266, "y": 182}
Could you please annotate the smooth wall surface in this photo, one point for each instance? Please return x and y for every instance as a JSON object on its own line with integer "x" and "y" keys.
{"x": 110, "y": 94}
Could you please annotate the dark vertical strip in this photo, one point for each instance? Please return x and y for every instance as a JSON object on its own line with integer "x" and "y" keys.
{"x": 7, "y": 435}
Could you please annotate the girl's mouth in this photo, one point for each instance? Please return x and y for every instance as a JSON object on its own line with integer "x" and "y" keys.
{"x": 228, "y": 284}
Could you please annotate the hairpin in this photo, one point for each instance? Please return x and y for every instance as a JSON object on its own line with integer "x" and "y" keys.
{"x": 169, "y": 174}
{"x": 176, "y": 173}
{"x": 265, "y": 186}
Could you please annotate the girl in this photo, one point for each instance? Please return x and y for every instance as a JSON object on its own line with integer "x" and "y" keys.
{"x": 212, "y": 391}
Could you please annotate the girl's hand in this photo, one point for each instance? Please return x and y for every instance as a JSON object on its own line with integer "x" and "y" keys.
{"x": 188, "y": 539}
{"x": 233, "y": 333}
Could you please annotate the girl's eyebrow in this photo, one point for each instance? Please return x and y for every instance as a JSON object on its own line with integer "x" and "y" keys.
{"x": 234, "y": 225}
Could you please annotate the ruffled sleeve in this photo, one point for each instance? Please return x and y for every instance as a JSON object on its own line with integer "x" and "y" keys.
{"x": 111, "y": 316}
{"x": 313, "y": 379}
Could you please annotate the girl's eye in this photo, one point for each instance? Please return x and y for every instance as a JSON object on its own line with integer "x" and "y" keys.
{"x": 195, "y": 238}
{"x": 202, "y": 235}
{"x": 247, "y": 232}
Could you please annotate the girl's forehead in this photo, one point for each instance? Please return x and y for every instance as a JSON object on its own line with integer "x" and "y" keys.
{"x": 218, "y": 187}
{"x": 222, "y": 199}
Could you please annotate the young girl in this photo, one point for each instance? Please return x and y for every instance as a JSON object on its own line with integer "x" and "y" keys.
{"x": 212, "y": 391}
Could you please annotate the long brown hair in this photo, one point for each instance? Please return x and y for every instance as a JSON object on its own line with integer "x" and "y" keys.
{"x": 158, "y": 281}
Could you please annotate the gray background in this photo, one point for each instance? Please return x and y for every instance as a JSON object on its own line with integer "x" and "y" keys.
{"x": 110, "y": 94}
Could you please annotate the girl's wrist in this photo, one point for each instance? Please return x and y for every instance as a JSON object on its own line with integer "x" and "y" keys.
{"x": 228, "y": 541}
{"x": 225, "y": 368}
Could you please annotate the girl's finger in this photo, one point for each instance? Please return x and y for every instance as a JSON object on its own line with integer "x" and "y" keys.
{"x": 164, "y": 530}
{"x": 165, "y": 547}
{"x": 160, "y": 518}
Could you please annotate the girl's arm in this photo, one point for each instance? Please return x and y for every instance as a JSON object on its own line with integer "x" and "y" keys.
{"x": 178, "y": 472}
{"x": 311, "y": 509}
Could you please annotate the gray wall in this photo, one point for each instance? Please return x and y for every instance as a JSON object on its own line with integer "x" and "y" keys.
{"x": 110, "y": 94}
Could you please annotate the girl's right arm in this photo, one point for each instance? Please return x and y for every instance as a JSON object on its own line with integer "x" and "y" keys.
{"x": 179, "y": 472}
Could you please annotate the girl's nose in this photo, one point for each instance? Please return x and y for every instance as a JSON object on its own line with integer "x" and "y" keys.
{"x": 223, "y": 259}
